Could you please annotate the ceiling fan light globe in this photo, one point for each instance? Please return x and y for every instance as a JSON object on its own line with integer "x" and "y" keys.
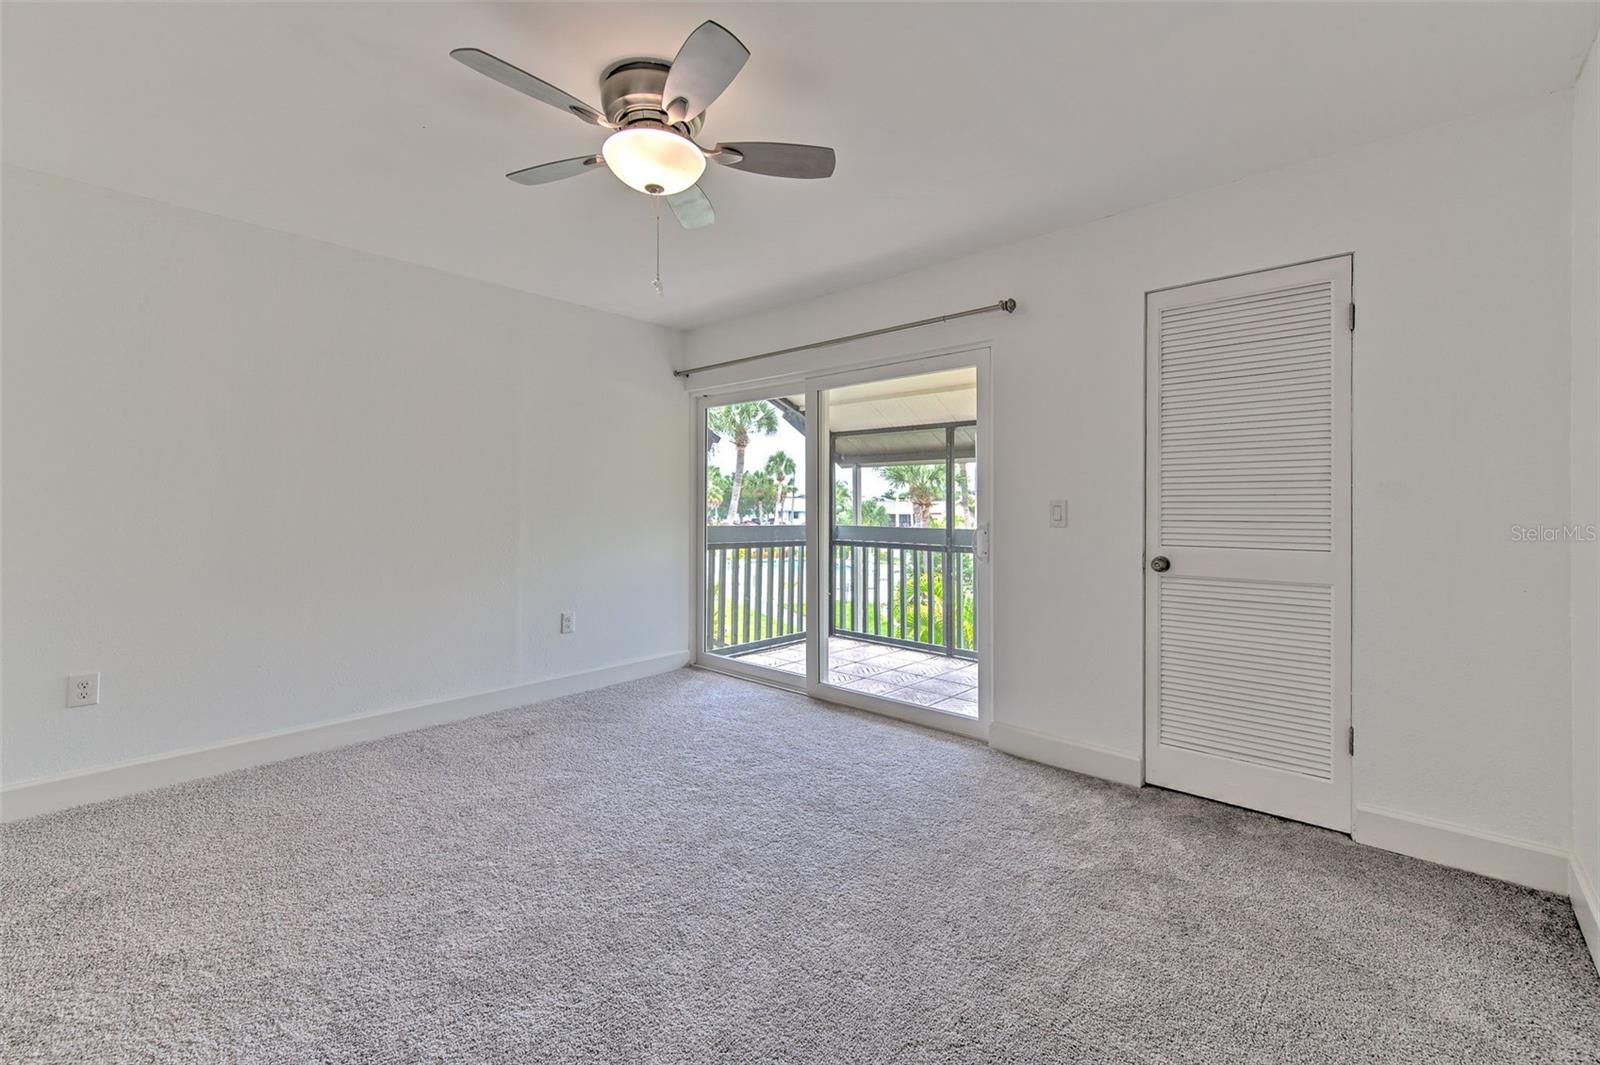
{"x": 654, "y": 161}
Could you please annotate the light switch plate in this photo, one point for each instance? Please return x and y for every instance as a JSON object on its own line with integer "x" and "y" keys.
{"x": 1058, "y": 514}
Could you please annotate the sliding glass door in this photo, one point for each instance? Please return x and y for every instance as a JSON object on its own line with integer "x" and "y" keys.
{"x": 843, "y": 549}
{"x": 902, "y": 596}
{"x": 753, "y": 577}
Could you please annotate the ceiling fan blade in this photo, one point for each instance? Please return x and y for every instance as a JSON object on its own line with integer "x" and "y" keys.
{"x": 706, "y": 64}
{"x": 778, "y": 160}
{"x": 692, "y": 207}
{"x": 545, "y": 173}
{"x": 516, "y": 78}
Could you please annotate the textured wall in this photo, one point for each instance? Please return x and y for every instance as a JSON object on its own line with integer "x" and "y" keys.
{"x": 1586, "y": 470}
{"x": 1461, "y": 410}
{"x": 261, "y": 482}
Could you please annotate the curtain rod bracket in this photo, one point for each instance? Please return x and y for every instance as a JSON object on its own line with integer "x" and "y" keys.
{"x": 1006, "y": 305}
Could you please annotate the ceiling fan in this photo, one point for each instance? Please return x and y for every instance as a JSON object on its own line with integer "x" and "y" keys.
{"x": 656, "y": 109}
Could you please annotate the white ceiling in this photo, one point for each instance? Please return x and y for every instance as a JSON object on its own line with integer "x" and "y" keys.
{"x": 958, "y": 127}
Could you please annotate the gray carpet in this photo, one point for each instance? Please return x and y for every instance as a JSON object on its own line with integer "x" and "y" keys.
{"x": 695, "y": 869}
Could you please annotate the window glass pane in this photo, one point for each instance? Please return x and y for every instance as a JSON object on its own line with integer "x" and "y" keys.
{"x": 964, "y": 489}
{"x": 755, "y": 512}
{"x": 899, "y": 580}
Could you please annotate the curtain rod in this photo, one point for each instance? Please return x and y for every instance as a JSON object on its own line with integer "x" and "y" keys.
{"x": 1007, "y": 305}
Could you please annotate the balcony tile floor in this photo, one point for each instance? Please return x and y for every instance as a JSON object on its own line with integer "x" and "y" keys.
{"x": 888, "y": 671}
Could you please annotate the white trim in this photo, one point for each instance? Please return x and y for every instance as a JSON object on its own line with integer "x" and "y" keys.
{"x": 1119, "y": 767}
{"x": 783, "y": 682}
{"x": 978, "y": 355}
{"x": 1112, "y": 765}
{"x": 973, "y": 728}
{"x": 697, "y": 524}
{"x": 49, "y": 794}
{"x": 699, "y": 654}
{"x": 1520, "y": 861}
{"x": 939, "y": 720}
{"x": 980, "y": 358}
{"x": 819, "y": 487}
{"x": 733, "y": 667}
{"x": 1586, "y": 905}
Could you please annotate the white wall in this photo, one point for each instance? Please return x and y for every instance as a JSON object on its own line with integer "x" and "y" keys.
{"x": 1585, "y": 556}
{"x": 260, "y": 482}
{"x": 1460, "y": 236}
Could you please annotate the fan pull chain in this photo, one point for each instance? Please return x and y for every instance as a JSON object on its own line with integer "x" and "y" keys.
{"x": 656, "y": 284}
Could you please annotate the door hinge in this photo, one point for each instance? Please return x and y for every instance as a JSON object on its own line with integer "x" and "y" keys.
{"x": 1352, "y": 317}
{"x": 1352, "y": 741}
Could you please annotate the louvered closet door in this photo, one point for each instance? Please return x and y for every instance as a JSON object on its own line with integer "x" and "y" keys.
{"x": 1247, "y": 651}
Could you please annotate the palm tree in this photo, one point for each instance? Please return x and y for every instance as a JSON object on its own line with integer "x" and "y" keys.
{"x": 780, "y": 467}
{"x": 920, "y": 485}
{"x": 736, "y": 422}
{"x": 716, "y": 491}
{"x": 873, "y": 512}
{"x": 761, "y": 492}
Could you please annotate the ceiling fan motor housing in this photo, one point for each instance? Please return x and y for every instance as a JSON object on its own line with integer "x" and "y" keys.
{"x": 654, "y": 110}
{"x": 630, "y": 95}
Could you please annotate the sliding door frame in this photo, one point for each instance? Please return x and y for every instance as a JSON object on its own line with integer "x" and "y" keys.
{"x": 818, "y": 536}
{"x": 816, "y": 625}
{"x": 700, "y": 655}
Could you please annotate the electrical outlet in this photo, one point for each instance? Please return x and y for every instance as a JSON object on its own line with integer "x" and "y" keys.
{"x": 83, "y": 689}
{"x": 1058, "y": 514}
{"x": 569, "y": 623}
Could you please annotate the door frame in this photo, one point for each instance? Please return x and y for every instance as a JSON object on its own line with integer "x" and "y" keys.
{"x": 698, "y": 655}
{"x": 1342, "y": 575}
{"x": 818, "y": 486}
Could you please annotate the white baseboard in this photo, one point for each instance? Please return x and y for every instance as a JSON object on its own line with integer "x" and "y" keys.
{"x": 1586, "y": 904}
{"x": 48, "y": 794}
{"x": 1118, "y": 767}
{"x": 1520, "y": 861}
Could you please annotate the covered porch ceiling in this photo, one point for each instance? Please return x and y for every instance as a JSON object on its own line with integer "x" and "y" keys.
{"x": 901, "y": 420}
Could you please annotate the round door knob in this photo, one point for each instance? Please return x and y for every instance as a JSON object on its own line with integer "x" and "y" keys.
{"x": 1161, "y": 563}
